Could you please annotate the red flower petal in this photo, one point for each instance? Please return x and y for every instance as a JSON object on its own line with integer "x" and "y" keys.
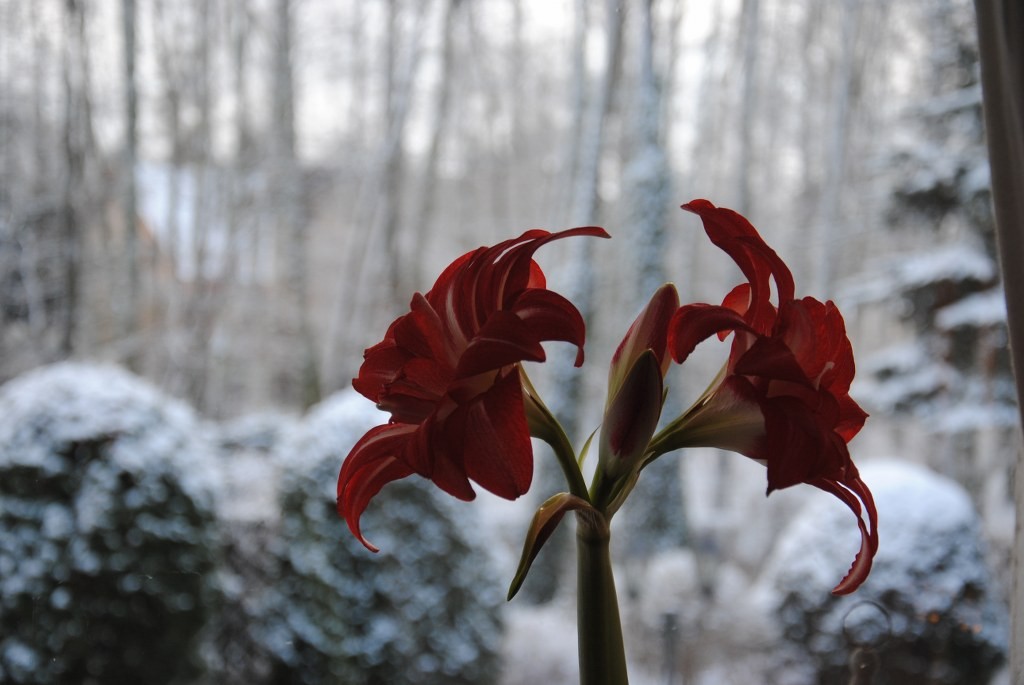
{"x": 800, "y": 445}
{"x": 447, "y": 372}
{"x": 501, "y": 341}
{"x": 370, "y": 466}
{"x": 498, "y": 439}
{"x": 694, "y": 323}
{"x": 551, "y": 317}
{"x": 437, "y": 453}
{"x": 794, "y": 362}
{"x": 735, "y": 235}
{"x": 852, "y": 491}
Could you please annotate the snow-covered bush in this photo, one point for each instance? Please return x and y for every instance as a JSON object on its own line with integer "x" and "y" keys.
{"x": 426, "y": 609}
{"x": 249, "y": 525}
{"x": 929, "y": 609}
{"x": 107, "y": 545}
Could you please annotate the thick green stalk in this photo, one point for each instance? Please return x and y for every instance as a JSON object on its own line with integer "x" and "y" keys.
{"x": 544, "y": 426}
{"x": 602, "y": 655}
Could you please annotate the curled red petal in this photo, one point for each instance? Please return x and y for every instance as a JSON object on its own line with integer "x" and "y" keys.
{"x": 738, "y": 238}
{"x": 694, "y": 323}
{"x": 738, "y": 299}
{"x": 516, "y": 269}
{"x": 490, "y": 278}
{"x": 852, "y": 492}
{"x": 552, "y": 317}
{"x": 371, "y": 464}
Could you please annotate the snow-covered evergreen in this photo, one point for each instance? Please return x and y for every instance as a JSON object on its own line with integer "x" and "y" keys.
{"x": 427, "y": 608}
{"x": 930, "y": 608}
{"x": 107, "y": 542}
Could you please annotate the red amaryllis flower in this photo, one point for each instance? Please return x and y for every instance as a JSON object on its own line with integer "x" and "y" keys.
{"x": 783, "y": 397}
{"x": 448, "y": 372}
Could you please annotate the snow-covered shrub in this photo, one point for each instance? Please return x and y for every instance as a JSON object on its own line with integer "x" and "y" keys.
{"x": 249, "y": 525}
{"x": 930, "y": 608}
{"x": 107, "y": 548}
{"x": 426, "y": 609}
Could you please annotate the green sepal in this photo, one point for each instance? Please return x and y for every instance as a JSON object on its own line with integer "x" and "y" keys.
{"x": 543, "y": 525}
{"x": 586, "y": 448}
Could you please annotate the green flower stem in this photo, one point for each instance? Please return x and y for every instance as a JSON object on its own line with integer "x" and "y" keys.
{"x": 570, "y": 467}
{"x": 544, "y": 426}
{"x": 602, "y": 655}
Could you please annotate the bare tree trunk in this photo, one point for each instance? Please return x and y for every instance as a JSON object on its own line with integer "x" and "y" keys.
{"x": 671, "y": 60}
{"x": 200, "y": 304}
{"x": 585, "y": 196}
{"x": 750, "y": 36}
{"x": 74, "y": 158}
{"x": 1000, "y": 26}
{"x": 398, "y": 97}
{"x": 585, "y": 201}
{"x": 829, "y": 217}
{"x": 656, "y": 520}
{"x": 302, "y": 383}
{"x": 803, "y": 262}
{"x": 442, "y": 105}
{"x": 577, "y": 101}
{"x": 129, "y": 200}
{"x": 357, "y": 47}
{"x": 171, "y": 296}
{"x": 647, "y": 182}
{"x": 379, "y": 203}
{"x": 707, "y": 146}
{"x": 576, "y": 277}
{"x": 517, "y": 79}
{"x": 749, "y": 42}
{"x": 42, "y": 157}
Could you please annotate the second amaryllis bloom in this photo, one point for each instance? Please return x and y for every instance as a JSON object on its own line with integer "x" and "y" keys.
{"x": 783, "y": 397}
{"x": 449, "y": 373}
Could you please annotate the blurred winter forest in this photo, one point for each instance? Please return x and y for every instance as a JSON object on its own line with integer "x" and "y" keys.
{"x": 209, "y": 208}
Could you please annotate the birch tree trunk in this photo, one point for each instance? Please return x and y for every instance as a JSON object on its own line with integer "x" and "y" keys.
{"x": 1000, "y": 27}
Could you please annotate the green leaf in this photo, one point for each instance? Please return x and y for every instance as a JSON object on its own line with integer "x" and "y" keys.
{"x": 544, "y": 523}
